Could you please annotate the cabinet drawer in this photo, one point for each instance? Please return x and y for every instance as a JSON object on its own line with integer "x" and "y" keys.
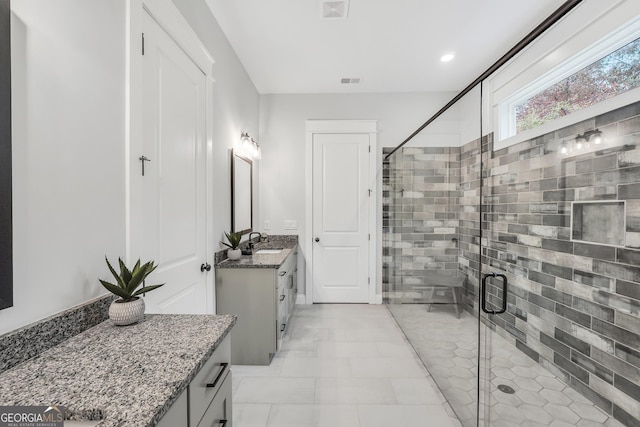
{"x": 219, "y": 412}
{"x": 208, "y": 381}
{"x": 282, "y": 302}
{"x": 287, "y": 267}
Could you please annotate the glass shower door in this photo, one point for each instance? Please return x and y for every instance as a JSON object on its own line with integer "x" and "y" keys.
{"x": 431, "y": 250}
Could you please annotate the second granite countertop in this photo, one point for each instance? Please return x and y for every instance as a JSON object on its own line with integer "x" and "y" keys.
{"x": 287, "y": 246}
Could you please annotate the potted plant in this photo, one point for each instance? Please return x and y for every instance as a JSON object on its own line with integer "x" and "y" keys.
{"x": 233, "y": 253}
{"x": 129, "y": 308}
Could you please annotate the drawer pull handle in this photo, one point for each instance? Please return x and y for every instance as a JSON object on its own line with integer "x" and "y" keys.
{"x": 215, "y": 382}
{"x": 284, "y": 325}
{"x": 282, "y": 297}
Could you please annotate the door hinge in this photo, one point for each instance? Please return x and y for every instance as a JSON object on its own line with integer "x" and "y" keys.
{"x": 369, "y": 148}
{"x": 143, "y": 44}
{"x": 368, "y": 280}
{"x": 369, "y": 192}
{"x": 369, "y": 236}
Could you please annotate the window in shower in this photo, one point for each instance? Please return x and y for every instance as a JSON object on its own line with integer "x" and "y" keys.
{"x": 599, "y": 222}
{"x": 612, "y": 75}
{"x": 601, "y": 72}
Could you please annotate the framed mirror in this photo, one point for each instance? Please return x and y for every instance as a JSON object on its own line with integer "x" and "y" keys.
{"x": 241, "y": 194}
{"x": 6, "y": 245}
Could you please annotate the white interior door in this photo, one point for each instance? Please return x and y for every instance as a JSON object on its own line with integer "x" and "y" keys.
{"x": 169, "y": 201}
{"x": 341, "y": 218}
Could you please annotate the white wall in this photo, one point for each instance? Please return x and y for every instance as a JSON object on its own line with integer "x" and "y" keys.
{"x": 282, "y": 137}
{"x": 68, "y": 88}
{"x": 68, "y": 152}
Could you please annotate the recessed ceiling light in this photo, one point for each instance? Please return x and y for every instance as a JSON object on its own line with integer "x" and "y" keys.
{"x": 447, "y": 57}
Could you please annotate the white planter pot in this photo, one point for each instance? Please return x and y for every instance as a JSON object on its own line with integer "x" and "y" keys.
{"x": 234, "y": 254}
{"x": 126, "y": 313}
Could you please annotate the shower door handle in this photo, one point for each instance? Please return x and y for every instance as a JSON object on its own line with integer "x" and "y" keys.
{"x": 483, "y": 293}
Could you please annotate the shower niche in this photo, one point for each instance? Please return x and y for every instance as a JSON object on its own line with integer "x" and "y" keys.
{"x": 599, "y": 222}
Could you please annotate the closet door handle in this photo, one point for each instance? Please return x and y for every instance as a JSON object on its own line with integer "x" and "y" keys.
{"x": 483, "y": 292}
{"x": 223, "y": 423}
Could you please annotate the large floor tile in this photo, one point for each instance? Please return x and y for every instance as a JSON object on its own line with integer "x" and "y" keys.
{"x": 335, "y": 358}
{"x": 315, "y": 367}
{"x": 250, "y": 414}
{"x": 347, "y": 349}
{"x": 313, "y": 416}
{"x": 402, "y": 415}
{"x": 354, "y": 391}
{"x": 386, "y": 367}
{"x": 275, "y": 390}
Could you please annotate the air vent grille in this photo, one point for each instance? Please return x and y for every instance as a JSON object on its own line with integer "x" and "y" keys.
{"x": 334, "y": 9}
{"x": 350, "y": 80}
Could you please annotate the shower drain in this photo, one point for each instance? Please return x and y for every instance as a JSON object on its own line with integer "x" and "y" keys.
{"x": 506, "y": 389}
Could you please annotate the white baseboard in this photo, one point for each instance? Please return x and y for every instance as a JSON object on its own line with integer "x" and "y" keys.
{"x": 301, "y": 299}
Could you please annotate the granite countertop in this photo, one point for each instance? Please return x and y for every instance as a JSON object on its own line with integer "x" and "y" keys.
{"x": 124, "y": 375}
{"x": 263, "y": 260}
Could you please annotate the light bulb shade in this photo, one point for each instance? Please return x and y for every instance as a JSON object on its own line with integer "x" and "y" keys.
{"x": 248, "y": 147}
{"x": 597, "y": 137}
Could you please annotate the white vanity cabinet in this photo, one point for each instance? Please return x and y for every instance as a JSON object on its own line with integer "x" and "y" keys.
{"x": 263, "y": 299}
{"x": 207, "y": 400}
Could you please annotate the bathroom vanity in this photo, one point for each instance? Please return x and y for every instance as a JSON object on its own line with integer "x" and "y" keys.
{"x": 260, "y": 289}
{"x": 167, "y": 371}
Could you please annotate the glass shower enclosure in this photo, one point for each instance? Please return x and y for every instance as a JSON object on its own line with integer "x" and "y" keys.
{"x": 513, "y": 270}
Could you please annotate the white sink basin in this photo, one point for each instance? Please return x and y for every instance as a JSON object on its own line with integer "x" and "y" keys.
{"x": 268, "y": 251}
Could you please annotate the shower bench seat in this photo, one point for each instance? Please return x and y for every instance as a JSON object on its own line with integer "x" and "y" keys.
{"x": 435, "y": 281}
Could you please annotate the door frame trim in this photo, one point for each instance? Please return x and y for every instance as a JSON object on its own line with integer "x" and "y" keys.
{"x": 341, "y": 126}
{"x": 169, "y": 18}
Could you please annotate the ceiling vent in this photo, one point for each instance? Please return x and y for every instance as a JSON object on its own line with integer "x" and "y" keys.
{"x": 334, "y": 9}
{"x": 350, "y": 81}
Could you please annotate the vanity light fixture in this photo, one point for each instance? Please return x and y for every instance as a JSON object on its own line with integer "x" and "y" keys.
{"x": 582, "y": 142}
{"x": 248, "y": 147}
{"x": 594, "y": 136}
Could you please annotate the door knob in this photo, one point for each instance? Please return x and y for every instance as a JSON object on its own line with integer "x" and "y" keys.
{"x": 205, "y": 267}
{"x": 317, "y": 239}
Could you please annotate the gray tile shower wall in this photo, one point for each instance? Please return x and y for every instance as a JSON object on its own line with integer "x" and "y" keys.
{"x": 573, "y": 304}
{"x": 420, "y": 215}
{"x": 571, "y": 255}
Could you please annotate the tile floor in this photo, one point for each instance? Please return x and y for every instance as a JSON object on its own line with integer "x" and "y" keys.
{"x": 448, "y": 348}
{"x": 340, "y": 366}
